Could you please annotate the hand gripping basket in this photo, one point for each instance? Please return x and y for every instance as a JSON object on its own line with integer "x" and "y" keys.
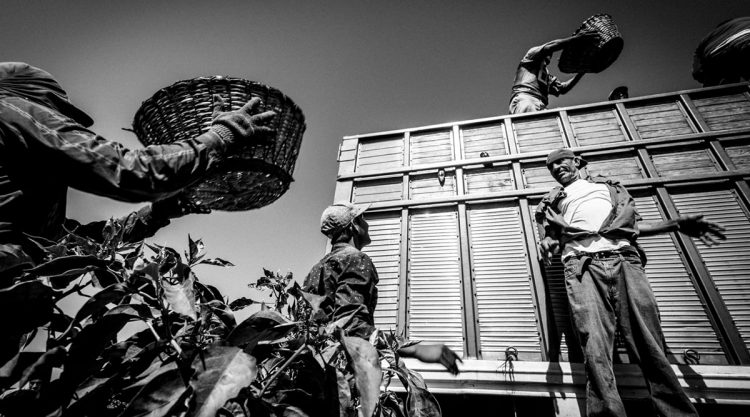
{"x": 587, "y": 56}
{"x": 255, "y": 175}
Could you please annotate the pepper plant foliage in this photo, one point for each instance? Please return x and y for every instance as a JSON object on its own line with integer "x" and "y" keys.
{"x": 155, "y": 341}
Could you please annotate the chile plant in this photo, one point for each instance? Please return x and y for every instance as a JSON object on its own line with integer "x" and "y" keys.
{"x": 155, "y": 341}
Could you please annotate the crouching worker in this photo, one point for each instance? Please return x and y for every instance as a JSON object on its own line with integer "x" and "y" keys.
{"x": 348, "y": 279}
{"x": 595, "y": 224}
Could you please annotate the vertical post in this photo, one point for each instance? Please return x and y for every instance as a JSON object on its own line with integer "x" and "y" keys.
{"x": 402, "y": 319}
{"x": 569, "y": 137}
{"x": 537, "y": 279}
{"x": 468, "y": 296}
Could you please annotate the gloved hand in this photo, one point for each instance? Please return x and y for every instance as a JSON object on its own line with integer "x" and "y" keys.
{"x": 245, "y": 124}
{"x": 176, "y": 206}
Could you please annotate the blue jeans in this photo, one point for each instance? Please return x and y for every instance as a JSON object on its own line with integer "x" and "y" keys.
{"x": 612, "y": 292}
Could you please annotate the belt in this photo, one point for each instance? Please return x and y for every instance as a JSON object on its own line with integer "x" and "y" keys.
{"x": 585, "y": 258}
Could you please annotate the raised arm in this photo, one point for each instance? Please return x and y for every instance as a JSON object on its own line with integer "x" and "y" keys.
{"x": 62, "y": 148}
{"x": 560, "y": 44}
{"x": 565, "y": 86}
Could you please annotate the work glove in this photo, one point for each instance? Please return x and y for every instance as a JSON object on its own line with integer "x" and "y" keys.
{"x": 245, "y": 125}
{"x": 176, "y": 206}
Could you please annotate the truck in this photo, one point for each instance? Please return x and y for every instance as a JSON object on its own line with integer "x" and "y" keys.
{"x": 455, "y": 244}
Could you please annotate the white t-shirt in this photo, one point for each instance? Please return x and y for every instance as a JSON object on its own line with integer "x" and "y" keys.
{"x": 586, "y": 206}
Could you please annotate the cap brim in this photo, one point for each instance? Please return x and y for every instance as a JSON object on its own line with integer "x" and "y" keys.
{"x": 361, "y": 208}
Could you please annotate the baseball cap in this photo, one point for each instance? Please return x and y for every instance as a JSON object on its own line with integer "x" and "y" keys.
{"x": 561, "y": 153}
{"x": 340, "y": 215}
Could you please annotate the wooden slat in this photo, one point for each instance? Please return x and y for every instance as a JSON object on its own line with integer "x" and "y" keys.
{"x": 390, "y": 189}
{"x": 538, "y": 134}
{"x": 488, "y": 180}
{"x": 683, "y": 162}
{"x": 683, "y": 317}
{"x": 430, "y": 147}
{"x": 740, "y": 155}
{"x": 428, "y": 186}
{"x": 619, "y": 167}
{"x": 385, "y": 232}
{"x": 728, "y": 263}
{"x": 380, "y": 153}
{"x": 505, "y": 308}
{"x": 435, "y": 311}
{"x": 486, "y": 138}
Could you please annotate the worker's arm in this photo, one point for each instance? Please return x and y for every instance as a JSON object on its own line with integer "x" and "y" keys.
{"x": 63, "y": 149}
{"x": 558, "y": 44}
{"x": 558, "y": 87}
{"x": 693, "y": 225}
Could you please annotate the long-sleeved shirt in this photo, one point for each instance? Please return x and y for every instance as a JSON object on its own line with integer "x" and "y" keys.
{"x": 533, "y": 78}
{"x": 43, "y": 152}
{"x": 347, "y": 278}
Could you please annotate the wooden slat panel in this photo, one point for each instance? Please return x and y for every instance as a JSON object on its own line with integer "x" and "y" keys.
{"x": 658, "y": 120}
{"x": 505, "y": 308}
{"x": 619, "y": 167}
{"x": 488, "y": 180}
{"x": 725, "y": 112}
{"x": 428, "y": 186}
{"x": 487, "y": 138}
{"x": 538, "y": 134}
{"x": 380, "y": 153}
{"x": 537, "y": 176}
{"x": 390, "y": 189}
{"x": 683, "y": 317}
{"x": 385, "y": 232}
{"x": 435, "y": 307}
{"x": 740, "y": 155}
{"x": 595, "y": 127}
{"x": 430, "y": 147}
{"x": 683, "y": 161}
{"x": 728, "y": 263}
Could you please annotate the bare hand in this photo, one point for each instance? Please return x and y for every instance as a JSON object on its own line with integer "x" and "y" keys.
{"x": 708, "y": 232}
{"x": 434, "y": 354}
{"x": 546, "y": 248}
{"x": 245, "y": 123}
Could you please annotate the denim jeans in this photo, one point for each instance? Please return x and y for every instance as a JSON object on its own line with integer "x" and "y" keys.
{"x": 609, "y": 293}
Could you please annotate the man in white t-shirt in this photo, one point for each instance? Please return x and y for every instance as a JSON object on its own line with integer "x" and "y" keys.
{"x": 594, "y": 223}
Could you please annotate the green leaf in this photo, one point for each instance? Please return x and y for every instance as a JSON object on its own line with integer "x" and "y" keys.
{"x": 63, "y": 264}
{"x": 97, "y": 304}
{"x": 136, "y": 311}
{"x": 181, "y": 296}
{"x": 196, "y": 247}
{"x": 222, "y": 372}
{"x": 367, "y": 374}
{"x": 421, "y": 403}
{"x": 160, "y": 392}
{"x": 261, "y": 326}
{"x": 241, "y": 303}
{"x": 216, "y": 261}
{"x": 25, "y": 306}
{"x": 50, "y": 359}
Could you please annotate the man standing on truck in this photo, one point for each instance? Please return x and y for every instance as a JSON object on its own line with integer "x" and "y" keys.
{"x": 533, "y": 83}
{"x": 594, "y": 223}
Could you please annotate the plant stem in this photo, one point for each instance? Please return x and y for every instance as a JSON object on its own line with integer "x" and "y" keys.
{"x": 284, "y": 366}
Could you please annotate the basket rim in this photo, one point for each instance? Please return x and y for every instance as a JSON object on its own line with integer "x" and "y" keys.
{"x": 209, "y": 78}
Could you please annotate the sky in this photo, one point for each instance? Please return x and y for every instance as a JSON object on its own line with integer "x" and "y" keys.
{"x": 352, "y": 66}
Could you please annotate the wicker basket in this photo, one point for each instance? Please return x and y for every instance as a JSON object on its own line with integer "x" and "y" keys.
{"x": 253, "y": 177}
{"x": 587, "y": 56}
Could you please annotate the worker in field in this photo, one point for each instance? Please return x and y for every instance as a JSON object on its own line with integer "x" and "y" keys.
{"x": 46, "y": 147}
{"x": 534, "y": 84}
{"x": 593, "y": 223}
{"x": 348, "y": 280}
{"x": 723, "y": 56}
